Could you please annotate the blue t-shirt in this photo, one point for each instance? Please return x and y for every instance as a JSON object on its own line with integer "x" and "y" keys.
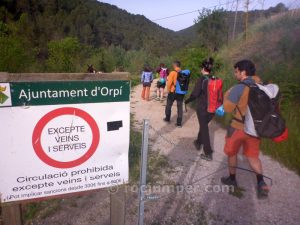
{"x": 238, "y": 89}
{"x": 147, "y": 77}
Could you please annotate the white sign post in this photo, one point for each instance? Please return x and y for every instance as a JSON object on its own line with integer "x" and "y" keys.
{"x": 62, "y": 137}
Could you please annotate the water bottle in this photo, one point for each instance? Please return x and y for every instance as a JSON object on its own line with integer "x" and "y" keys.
{"x": 220, "y": 111}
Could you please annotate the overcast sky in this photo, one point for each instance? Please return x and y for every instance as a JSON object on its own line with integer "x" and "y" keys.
{"x": 156, "y": 9}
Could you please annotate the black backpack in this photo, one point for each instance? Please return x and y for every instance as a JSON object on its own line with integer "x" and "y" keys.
{"x": 263, "y": 118}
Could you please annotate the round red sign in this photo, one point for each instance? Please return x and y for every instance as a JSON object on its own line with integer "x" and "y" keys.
{"x": 36, "y": 137}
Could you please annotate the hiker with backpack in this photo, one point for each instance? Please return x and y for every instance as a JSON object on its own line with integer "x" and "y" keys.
{"x": 146, "y": 79}
{"x": 163, "y": 72}
{"x": 255, "y": 115}
{"x": 177, "y": 86}
{"x": 209, "y": 96}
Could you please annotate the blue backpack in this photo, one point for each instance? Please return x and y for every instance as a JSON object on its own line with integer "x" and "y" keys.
{"x": 183, "y": 80}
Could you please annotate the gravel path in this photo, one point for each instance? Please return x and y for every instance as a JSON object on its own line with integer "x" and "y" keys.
{"x": 218, "y": 206}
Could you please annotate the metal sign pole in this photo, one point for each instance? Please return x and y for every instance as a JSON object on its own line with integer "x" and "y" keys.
{"x": 143, "y": 172}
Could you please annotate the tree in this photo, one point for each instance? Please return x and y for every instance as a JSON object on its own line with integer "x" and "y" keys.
{"x": 191, "y": 58}
{"x": 63, "y": 55}
{"x": 279, "y": 8}
{"x": 212, "y": 28}
{"x": 14, "y": 56}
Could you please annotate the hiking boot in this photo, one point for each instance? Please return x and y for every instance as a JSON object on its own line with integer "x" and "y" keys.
{"x": 262, "y": 190}
{"x": 178, "y": 125}
{"x": 166, "y": 120}
{"x": 228, "y": 181}
{"x": 197, "y": 145}
{"x": 206, "y": 157}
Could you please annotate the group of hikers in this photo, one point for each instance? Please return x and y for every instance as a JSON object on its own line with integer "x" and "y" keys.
{"x": 249, "y": 101}
{"x": 147, "y": 78}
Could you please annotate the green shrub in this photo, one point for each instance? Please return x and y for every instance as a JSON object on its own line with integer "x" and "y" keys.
{"x": 14, "y": 56}
{"x": 287, "y": 152}
{"x": 63, "y": 55}
{"x": 191, "y": 58}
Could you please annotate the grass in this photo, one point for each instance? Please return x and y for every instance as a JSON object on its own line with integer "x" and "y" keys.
{"x": 287, "y": 152}
{"x": 41, "y": 209}
{"x": 156, "y": 164}
{"x": 156, "y": 161}
{"x": 134, "y": 154}
{"x": 238, "y": 192}
{"x": 135, "y": 79}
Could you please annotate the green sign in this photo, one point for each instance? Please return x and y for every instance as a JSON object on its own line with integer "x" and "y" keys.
{"x": 68, "y": 92}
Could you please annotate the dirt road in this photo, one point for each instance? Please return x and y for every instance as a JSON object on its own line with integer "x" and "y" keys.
{"x": 208, "y": 201}
{"x": 205, "y": 200}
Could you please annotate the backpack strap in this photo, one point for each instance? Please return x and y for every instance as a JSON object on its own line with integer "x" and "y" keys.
{"x": 238, "y": 109}
{"x": 174, "y": 84}
{"x": 206, "y": 78}
{"x": 243, "y": 117}
{"x": 244, "y": 83}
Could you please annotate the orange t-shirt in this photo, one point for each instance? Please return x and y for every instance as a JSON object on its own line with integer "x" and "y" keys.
{"x": 172, "y": 79}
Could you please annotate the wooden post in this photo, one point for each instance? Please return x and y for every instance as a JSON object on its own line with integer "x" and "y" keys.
{"x": 117, "y": 205}
{"x": 12, "y": 214}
